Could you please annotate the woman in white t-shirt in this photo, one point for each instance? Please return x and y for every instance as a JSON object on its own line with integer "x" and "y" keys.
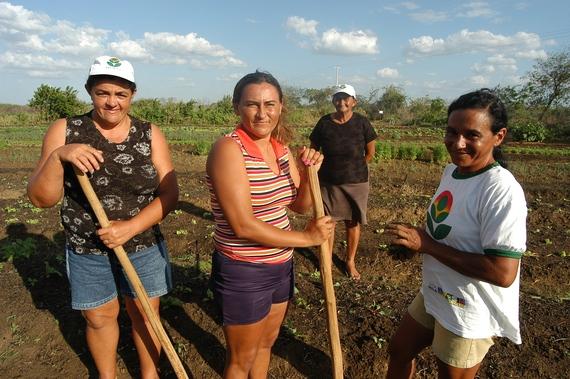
{"x": 474, "y": 238}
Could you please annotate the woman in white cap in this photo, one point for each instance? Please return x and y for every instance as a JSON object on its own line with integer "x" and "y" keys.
{"x": 131, "y": 171}
{"x": 347, "y": 140}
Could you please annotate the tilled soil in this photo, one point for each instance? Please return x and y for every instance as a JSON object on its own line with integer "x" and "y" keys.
{"x": 41, "y": 337}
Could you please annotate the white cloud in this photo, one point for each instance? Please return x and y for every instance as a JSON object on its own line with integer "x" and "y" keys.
{"x": 436, "y": 85}
{"x": 388, "y": 72}
{"x": 478, "y": 41}
{"x": 483, "y": 68}
{"x": 38, "y": 65}
{"x": 479, "y": 80}
{"x": 76, "y": 40}
{"x": 410, "y": 5}
{"x": 429, "y": 16}
{"x": 476, "y": 9}
{"x": 190, "y": 43}
{"x": 15, "y": 18}
{"x": 531, "y": 54}
{"x": 40, "y": 41}
{"x": 332, "y": 41}
{"x": 129, "y": 49}
{"x": 302, "y": 26}
{"x": 31, "y": 42}
{"x": 349, "y": 43}
{"x": 500, "y": 59}
{"x": 230, "y": 78}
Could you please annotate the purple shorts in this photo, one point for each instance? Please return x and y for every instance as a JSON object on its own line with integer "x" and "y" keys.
{"x": 245, "y": 291}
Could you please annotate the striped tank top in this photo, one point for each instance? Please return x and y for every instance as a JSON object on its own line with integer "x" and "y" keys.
{"x": 270, "y": 195}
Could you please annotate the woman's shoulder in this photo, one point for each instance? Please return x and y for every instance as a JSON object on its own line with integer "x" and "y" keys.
{"x": 325, "y": 119}
{"x": 229, "y": 143}
{"x": 360, "y": 118}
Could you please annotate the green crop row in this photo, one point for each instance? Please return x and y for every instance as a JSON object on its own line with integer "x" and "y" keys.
{"x": 436, "y": 153}
{"x": 420, "y": 143}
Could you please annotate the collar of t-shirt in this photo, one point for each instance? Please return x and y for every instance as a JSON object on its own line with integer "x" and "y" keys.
{"x": 251, "y": 147}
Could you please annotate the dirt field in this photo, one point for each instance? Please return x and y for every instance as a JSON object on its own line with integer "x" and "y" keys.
{"x": 41, "y": 337}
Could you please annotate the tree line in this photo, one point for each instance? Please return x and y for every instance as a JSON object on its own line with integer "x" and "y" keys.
{"x": 538, "y": 107}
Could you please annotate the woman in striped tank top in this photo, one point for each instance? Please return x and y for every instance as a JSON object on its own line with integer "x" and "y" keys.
{"x": 252, "y": 182}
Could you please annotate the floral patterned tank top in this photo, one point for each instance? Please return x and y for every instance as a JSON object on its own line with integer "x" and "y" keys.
{"x": 125, "y": 184}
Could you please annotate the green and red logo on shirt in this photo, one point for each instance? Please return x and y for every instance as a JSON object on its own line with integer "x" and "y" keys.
{"x": 438, "y": 212}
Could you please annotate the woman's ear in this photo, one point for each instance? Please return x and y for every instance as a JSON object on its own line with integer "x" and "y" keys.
{"x": 500, "y": 136}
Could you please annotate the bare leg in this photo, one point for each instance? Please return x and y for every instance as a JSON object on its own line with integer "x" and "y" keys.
{"x": 146, "y": 342}
{"x": 352, "y": 238}
{"x": 268, "y": 338}
{"x": 102, "y": 334}
{"x": 446, "y": 371}
{"x": 249, "y": 346}
{"x": 408, "y": 341}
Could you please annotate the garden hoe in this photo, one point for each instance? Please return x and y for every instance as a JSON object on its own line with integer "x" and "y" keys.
{"x": 326, "y": 277}
{"x": 133, "y": 278}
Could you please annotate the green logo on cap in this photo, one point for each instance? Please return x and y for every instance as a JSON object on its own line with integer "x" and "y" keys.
{"x": 114, "y": 62}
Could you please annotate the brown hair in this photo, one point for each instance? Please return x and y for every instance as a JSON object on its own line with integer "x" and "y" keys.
{"x": 283, "y": 132}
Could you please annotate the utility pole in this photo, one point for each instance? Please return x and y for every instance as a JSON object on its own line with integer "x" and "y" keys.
{"x": 337, "y": 70}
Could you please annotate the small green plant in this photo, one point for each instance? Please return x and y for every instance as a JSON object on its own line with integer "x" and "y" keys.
{"x": 379, "y": 341}
{"x": 181, "y": 232}
{"x": 209, "y": 295}
{"x": 290, "y": 329}
{"x": 315, "y": 275}
{"x": 301, "y": 302}
{"x": 50, "y": 270}
{"x": 170, "y": 302}
{"x": 19, "y": 249}
{"x": 205, "y": 266}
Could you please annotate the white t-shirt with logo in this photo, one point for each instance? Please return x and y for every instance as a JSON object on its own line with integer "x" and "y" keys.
{"x": 480, "y": 213}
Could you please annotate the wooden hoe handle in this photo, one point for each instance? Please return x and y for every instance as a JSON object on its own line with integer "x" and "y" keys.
{"x": 133, "y": 278}
{"x": 326, "y": 277}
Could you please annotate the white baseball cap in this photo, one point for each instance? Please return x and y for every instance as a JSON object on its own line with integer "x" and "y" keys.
{"x": 345, "y": 88}
{"x": 107, "y": 65}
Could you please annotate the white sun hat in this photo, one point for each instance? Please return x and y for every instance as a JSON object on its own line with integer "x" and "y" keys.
{"x": 108, "y": 65}
{"x": 345, "y": 88}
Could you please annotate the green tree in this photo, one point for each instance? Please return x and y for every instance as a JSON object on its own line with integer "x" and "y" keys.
{"x": 392, "y": 102}
{"x": 54, "y": 102}
{"x": 548, "y": 84}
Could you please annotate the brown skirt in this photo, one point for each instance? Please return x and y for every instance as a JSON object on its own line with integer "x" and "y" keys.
{"x": 346, "y": 201}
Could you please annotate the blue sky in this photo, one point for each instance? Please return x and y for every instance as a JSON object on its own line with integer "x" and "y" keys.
{"x": 198, "y": 50}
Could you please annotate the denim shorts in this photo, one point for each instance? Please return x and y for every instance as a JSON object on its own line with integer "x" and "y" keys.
{"x": 94, "y": 279}
{"x": 245, "y": 291}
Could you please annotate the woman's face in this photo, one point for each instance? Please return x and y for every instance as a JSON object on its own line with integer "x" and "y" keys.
{"x": 470, "y": 140}
{"x": 259, "y": 109}
{"x": 343, "y": 102}
{"x": 111, "y": 100}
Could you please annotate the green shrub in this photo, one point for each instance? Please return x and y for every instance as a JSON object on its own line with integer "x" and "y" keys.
{"x": 439, "y": 154}
{"x": 409, "y": 152}
{"x": 384, "y": 151}
{"x": 528, "y": 131}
